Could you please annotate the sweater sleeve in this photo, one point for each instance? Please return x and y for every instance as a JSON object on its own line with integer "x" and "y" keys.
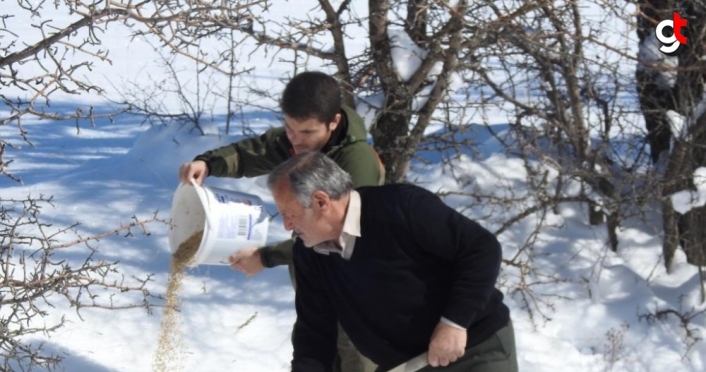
{"x": 315, "y": 331}
{"x": 472, "y": 251}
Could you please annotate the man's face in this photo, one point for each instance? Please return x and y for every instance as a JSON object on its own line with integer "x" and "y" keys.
{"x": 310, "y": 224}
{"x": 308, "y": 134}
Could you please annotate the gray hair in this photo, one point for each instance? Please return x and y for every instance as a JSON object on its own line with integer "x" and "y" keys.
{"x": 309, "y": 172}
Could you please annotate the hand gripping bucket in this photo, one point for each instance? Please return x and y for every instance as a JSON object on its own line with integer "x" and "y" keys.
{"x": 230, "y": 221}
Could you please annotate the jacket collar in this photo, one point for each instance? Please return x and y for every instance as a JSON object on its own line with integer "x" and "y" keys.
{"x": 339, "y": 136}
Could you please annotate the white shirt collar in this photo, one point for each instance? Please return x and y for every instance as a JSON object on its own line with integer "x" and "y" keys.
{"x": 351, "y": 230}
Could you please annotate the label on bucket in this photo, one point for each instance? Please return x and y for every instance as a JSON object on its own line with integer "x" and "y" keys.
{"x": 235, "y": 227}
{"x": 238, "y": 218}
{"x": 227, "y": 199}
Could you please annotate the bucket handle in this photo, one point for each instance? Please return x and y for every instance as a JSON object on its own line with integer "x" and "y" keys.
{"x": 204, "y": 200}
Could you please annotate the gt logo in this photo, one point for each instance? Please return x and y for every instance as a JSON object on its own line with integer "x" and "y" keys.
{"x": 671, "y": 44}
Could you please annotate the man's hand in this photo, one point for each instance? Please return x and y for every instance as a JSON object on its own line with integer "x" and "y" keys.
{"x": 195, "y": 170}
{"x": 247, "y": 260}
{"x": 447, "y": 344}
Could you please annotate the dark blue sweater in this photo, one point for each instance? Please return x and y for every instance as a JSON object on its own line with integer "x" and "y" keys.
{"x": 416, "y": 260}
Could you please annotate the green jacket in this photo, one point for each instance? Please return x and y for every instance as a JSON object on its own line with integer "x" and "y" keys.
{"x": 256, "y": 156}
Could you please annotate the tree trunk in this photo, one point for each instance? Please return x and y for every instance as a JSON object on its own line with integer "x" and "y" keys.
{"x": 339, "y": 48}
{"x": 396, "y": 138}
{"x": 670, "y": 242}
{"x": 392, "y": 125}
{"x": 684, "y": 95}
{"x": 390, "y": 133}
{"x": 655, "y": 93}
{"x": 690, "y": 88}
{"x": 416, "y": 23}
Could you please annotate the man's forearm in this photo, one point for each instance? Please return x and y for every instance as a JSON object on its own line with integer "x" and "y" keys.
{"x": 221, "y": 162}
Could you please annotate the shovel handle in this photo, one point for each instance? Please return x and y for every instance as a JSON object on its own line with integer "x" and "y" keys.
{"x": 412, "y": 365}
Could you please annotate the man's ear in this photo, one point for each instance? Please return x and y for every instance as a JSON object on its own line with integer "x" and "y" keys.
{"x": 321, "y": 200}
{"x": 334, "y": 124}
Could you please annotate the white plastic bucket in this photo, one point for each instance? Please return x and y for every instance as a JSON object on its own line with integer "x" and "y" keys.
{"x": 230, "y": 221}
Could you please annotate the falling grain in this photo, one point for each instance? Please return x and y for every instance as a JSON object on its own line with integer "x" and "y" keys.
{"x": 168, "y": 352}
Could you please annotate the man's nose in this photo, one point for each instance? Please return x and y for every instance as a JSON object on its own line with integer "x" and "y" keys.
{"x": 288, "y": 224}
{"x": 293, "y": 138}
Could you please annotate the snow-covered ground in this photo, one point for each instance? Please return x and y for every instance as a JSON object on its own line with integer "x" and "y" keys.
{"x": 104, "y": 175}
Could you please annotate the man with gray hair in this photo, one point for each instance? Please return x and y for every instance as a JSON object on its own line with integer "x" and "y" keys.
{"x": 402, "y": 272}
{"x": 314, "y": 119}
